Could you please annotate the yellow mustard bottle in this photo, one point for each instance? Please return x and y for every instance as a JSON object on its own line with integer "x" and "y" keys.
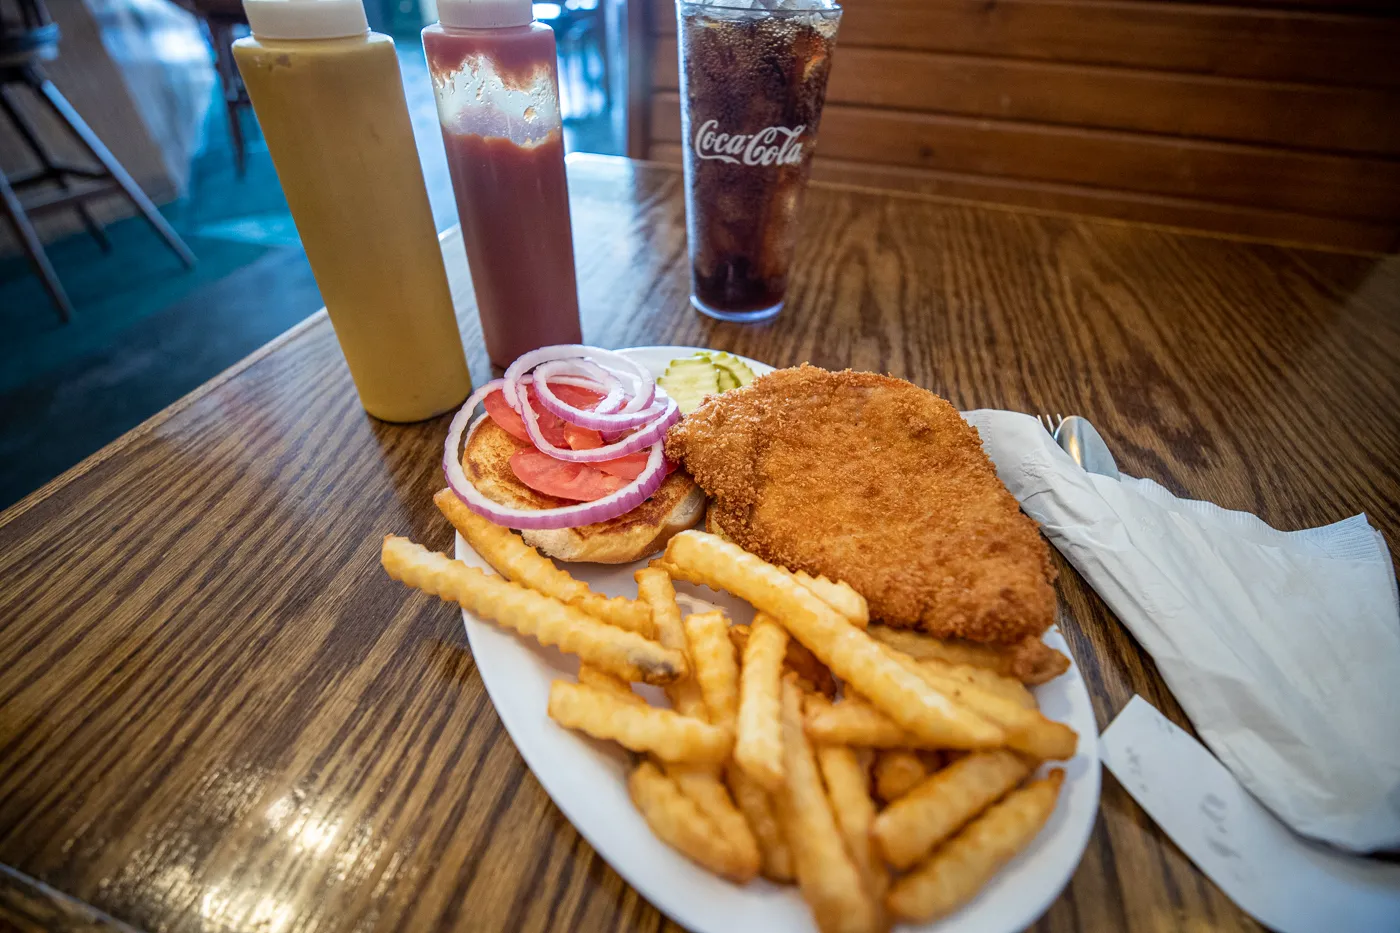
{"x": 330, "y": 101}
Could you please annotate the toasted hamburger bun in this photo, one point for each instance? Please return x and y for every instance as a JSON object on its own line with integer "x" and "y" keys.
{"x": 677, "y": 505}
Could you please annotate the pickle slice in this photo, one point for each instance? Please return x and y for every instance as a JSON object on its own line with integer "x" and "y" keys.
{"x": 731, "y": 364}
{"x": 688, "y": 381}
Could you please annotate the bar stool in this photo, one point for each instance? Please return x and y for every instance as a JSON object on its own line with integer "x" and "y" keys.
{"x": 29, "y": 35}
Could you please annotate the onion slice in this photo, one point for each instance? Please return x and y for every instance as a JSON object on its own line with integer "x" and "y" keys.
{"x": 634, "y": 413}
{"x": 594, "y": 419}
{"x": 600, "y": 510}
{"x": 572, "y": 372}
{"x": 618, "y": 363}
{"x": 653, "y": 433}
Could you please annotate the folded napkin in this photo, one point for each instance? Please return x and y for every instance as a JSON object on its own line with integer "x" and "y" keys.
{"x": 1282, "y": 647}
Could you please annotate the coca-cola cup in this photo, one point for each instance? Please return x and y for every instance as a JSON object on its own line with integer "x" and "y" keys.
{"x": 753, "y": 79}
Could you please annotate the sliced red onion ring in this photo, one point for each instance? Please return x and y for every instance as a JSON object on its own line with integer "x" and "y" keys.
{"x": 652, "y": 433}
{"x": 610, "y": 506}
{"x": 568, "y": 372}
{"x": 631, "y": 402}
{"x": 615, "y": 362}
{"x": 643, "y": 397}
{"x": 598, "y": 421}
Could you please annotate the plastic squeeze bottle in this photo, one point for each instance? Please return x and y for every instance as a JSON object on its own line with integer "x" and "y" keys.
{"x": 330, "y": 101}
{"x": 496, "y": 76}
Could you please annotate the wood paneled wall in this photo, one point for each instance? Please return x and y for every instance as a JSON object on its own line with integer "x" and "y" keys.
{"x": 1277, "y": 119}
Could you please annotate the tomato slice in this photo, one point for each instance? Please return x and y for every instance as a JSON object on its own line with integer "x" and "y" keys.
{"x": 576, "y": 396}
{"x": 557, "y": 431}
{"x": 551, "y": 427}
{"x": 506, "y": 418}
{"x": 627, "y": 467}
{"x": 582, "y": 438}
{"x": 579, "y": 438}
{"x": 577, "y": 481}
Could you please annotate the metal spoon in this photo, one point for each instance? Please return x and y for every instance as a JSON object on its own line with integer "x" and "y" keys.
{"x": 1078, "y": 438}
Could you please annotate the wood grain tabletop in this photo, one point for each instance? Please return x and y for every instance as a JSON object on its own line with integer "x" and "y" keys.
{"x": 218, "y": 713}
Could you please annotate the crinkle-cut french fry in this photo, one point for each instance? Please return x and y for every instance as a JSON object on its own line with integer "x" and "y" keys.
{"x": 757, "y": 807}
{"x": 654, "y": 588}
{"x": 830, "y": 882}
{"x": 618, "y": 610}
{"x": 1027, "y": 730}
{"x": 848, "y": 785}
{"x": 1032, "y": 661}
{"x": 812, "y": 675}
{"x": 839, "y": 596}
{"x": 856, "y": 722}
{"x": 666, "y": 734}
{"x": 675, "y": 571}
{"x": 703, "y": 785}
{"x": 515, "y": 560}
{"x": 758, "y": 743}
{"x": 897, "y": 771}
{"x": 591, "y": 676}
{"x": 943, "y": 802}
{"x": 679, "y": 822}
{"x": 850, "y": 653}
{"x": 1008, "y": 688}
{"x": 714, "y": 665}
{"x": 853, "y": 721}
{"x": 626, "y": 654}
{"x": 957, "y": 871}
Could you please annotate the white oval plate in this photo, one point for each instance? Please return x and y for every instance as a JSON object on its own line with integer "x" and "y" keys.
{"x": 588, "y": 779}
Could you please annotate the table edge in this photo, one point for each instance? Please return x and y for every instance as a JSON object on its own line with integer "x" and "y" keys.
{"x": 61, "y": 898}
{"x": 99, "y": 456}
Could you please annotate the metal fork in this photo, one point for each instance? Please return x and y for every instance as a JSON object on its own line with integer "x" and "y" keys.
{"x": 1049, "y": 424}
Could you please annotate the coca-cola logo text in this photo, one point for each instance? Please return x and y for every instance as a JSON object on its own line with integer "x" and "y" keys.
{"x": 775, "y": 145}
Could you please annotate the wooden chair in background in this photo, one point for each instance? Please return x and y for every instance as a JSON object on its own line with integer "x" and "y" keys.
{"x": 1241, "y": 118}
{"x": 28, "y": 35}
{"x": 222, "y": 20}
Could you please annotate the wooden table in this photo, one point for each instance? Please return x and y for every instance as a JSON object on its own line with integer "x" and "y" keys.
{"x": 218, "y": 713}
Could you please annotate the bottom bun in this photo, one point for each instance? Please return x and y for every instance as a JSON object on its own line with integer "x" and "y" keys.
{"x": 676, "y": 505}
{"x": 625, "y": 538}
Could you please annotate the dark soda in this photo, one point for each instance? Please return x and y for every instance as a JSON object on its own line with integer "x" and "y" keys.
{"x": 752, "y": 87}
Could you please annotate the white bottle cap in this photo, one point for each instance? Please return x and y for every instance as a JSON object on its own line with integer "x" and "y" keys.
{"x": 306, "y": 19}
{"x": 485, "y": 14}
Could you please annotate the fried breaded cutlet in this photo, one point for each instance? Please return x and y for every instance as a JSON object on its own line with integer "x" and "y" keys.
{"x": 871, "y": 480}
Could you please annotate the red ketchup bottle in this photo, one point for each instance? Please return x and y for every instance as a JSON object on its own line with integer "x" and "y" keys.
{"x": 496, "y": 76}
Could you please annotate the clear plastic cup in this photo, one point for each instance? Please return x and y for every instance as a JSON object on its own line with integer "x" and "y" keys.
{"x": 753, "y": 81}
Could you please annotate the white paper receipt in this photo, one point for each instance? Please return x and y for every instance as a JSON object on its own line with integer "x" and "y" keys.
{"x": 1277, "y": 877}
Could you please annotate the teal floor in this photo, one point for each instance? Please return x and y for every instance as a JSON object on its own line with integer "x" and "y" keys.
{"x": 146, "y": 331}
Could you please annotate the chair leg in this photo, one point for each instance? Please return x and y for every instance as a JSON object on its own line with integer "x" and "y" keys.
{"x": 94, "y": 145}
{"x": 34, "y": 249}
{"x": 235, "y": 132}
{"x": 221, "y": 37}
{"x": 30, "y": 134}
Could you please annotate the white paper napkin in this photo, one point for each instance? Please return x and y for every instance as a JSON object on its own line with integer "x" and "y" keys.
{"x": 1284, "y": 881}
{"x": 1282, "y": 647}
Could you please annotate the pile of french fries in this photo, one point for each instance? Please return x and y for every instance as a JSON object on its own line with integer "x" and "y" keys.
{"x": 888, "y": 774}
